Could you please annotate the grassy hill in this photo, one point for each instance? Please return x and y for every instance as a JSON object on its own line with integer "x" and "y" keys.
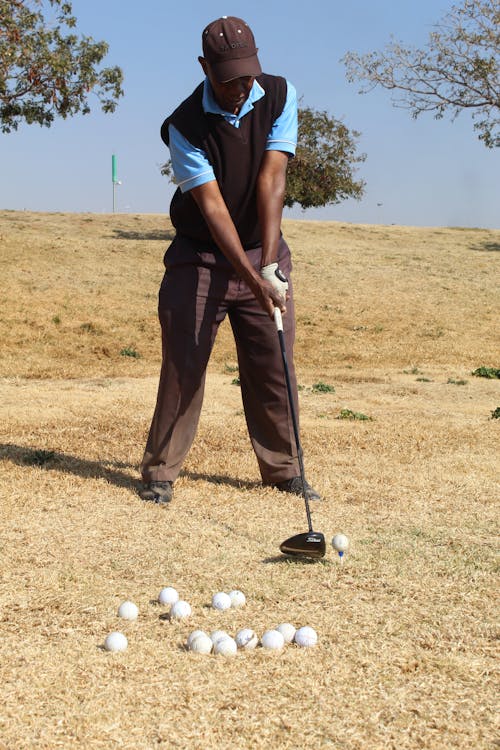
{"x": 79, "y": 290}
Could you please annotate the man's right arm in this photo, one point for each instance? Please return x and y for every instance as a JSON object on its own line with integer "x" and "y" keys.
{"x": 190, "y": 164}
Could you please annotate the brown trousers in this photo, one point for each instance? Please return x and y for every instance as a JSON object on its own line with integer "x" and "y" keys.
{"x": 198, "y": 290}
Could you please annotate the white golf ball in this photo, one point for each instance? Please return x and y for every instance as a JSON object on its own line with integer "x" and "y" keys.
{"x": 306, "y": 637}
{"x": 179, "y": 610}
{"x": 238, "y": 598}
{"x": 115, "y": 642}
{"x": 287, "y": 631}
{"x": 168, "y": 595}
{"x": 246, "y": 638}
{"x": 221, "y": 601}
{"x": 225, "y": 647}
{"x": 272, "y": 639}
{"x": 202, "y": 644}
{"x": 128, "y": 611}
{"x": 340, "y": 542}
{"x": 216, "y": 635}
{"x": 192, "y": 636}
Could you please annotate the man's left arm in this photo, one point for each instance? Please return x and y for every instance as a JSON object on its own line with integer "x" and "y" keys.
{"x": 271, "y": 184}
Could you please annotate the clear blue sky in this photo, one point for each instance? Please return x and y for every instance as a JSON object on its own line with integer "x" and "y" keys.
{"x": 423, "y": 172}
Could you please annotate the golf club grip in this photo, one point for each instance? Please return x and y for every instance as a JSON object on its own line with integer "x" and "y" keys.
{"x": 278, "y": 319}
{"x": 279, "y": 325}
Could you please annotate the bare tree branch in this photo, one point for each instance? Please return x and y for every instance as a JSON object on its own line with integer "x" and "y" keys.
{"x": 458, "y": 69}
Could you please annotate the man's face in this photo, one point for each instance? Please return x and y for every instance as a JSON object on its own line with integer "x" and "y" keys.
{"x": 231, "y": 95}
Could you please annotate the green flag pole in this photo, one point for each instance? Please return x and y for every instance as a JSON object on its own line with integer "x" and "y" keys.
{"x": 114, "y": 178}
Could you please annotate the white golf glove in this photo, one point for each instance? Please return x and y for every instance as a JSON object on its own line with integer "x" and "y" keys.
{"x": 275, "y": 277}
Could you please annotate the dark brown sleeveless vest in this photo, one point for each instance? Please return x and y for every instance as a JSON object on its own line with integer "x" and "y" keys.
{"x": 235, "y": 155}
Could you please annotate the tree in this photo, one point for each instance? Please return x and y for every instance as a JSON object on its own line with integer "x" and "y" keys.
{"x": 322, "y": 172}
{"x": 457, "y": 70}
{"x": 46, "y": 72}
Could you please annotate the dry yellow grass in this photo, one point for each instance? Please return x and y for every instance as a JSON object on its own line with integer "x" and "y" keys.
{"x": 395, "y": 319}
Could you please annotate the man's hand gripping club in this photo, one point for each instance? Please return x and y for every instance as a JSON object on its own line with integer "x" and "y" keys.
{"x": 276, "y": 278}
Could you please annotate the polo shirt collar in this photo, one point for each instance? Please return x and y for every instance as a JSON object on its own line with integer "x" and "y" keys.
{"x": 210, "y": 104}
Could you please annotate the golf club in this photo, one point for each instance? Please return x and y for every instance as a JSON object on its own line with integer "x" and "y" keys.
{"x": 310, "y": 543}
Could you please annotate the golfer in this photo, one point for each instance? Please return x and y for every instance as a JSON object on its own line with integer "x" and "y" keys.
{"x": 229, "y": 142}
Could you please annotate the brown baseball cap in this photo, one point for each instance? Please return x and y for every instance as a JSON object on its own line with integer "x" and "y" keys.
{"x": 229, "y": 48}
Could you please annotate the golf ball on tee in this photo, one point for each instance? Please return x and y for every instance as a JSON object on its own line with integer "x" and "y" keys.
{"x": 221, "y": 601}
{"x": 225, "y": 646}
{"x": 246, "y": 638}
{"x": 238, "y": 598}
{"x": 179, "y": 610}
{"x": 168, "y": 595}
{"x": 272, "y": 639}
{"x": 306, "y": 636}
{"x": 340, "y": 542}
{"x": 202, "y": 644}
{"x": 128, "y": 611}
{"x": 287, "y": 631}
{"x": 216, "y": 635}
{"x": 115, "y": 642}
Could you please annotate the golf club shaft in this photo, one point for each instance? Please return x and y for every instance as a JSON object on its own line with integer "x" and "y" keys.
{"x": 279, "y": 325}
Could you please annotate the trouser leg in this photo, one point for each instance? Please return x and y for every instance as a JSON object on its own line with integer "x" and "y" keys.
{"x": 190, "y": 313}
{"x": 263, "y": 383}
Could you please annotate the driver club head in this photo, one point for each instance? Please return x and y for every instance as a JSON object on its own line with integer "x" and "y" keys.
{"x": 309, "y": 544}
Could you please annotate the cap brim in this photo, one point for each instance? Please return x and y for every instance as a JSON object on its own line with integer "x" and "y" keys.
{"x": 231, "y": 69}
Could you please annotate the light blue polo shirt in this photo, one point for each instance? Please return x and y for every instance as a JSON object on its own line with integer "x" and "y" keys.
{"x": 191, "y": 166}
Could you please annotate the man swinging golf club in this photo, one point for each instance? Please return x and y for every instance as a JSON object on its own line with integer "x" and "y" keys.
{"x": 230, "y": 142}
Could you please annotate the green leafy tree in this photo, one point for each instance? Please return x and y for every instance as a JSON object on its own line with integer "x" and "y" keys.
{"x": 458, "y": 70}
{"x": 44, "y": 70}
{"x": 322, "y": 172}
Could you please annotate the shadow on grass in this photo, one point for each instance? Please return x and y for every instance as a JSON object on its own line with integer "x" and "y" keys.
{"x": 66, "y": 464}
{"x": 487, "y": 247}
{"x": 295, "y": 560}
{"x": 221, "y": 479}
{"x": 111, "y": 471}
{"x": 163, "y": 236}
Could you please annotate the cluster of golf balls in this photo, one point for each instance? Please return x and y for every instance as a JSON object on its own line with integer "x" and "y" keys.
{"x": 221, "y": 643}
